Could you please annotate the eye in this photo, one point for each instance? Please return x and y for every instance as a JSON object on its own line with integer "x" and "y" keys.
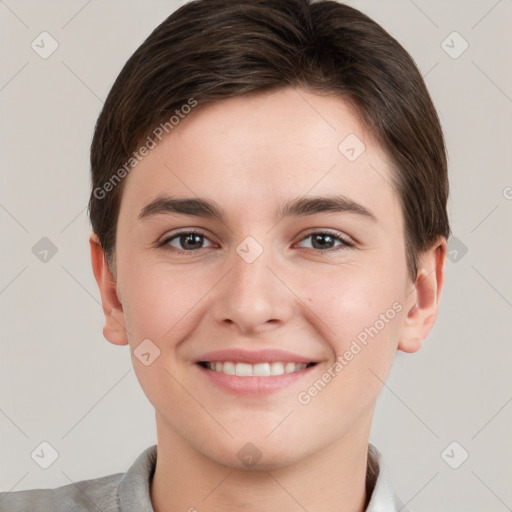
{"x": 185, "y": 241}
{"x": 325, "y": 241}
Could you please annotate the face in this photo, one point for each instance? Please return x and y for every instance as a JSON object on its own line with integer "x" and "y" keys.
{"x": 263, "y": 284}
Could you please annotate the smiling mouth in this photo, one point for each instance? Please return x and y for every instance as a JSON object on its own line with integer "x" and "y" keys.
{"x": 254, "y": 370}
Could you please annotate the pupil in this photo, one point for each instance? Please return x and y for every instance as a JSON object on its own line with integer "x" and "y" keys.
{"x": 324, "y": 237}
{"x": 190, "y": 239}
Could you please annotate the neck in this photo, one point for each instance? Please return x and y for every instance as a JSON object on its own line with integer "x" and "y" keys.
{"x": 333, "y": 479}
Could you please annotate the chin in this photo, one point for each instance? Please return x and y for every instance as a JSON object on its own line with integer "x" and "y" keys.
{"x": 263, "y": 455}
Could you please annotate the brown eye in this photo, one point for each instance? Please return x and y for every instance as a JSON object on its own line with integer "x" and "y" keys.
{"x": 185, "y": 241}
{"x": 325, "y": 241}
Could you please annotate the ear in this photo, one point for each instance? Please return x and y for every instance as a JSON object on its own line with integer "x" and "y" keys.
{"x": 114, "y": 329}
{"x": 423, "y": 300}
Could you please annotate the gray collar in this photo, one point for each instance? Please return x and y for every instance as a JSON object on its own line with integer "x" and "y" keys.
{"x": 135, "y": 486}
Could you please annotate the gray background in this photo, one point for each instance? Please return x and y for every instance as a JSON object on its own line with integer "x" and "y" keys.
{"x": 63, "y": 383}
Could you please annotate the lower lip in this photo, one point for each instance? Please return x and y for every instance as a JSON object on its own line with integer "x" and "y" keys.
{"x": 254, "y": 386}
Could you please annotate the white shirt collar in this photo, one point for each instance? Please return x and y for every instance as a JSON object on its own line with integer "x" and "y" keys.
{"x": 383, "y": 497}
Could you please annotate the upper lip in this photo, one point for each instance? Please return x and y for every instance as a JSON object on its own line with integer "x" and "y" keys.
{"x": 239, "y": 355}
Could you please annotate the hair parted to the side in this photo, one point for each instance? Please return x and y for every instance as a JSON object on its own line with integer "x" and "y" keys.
{"x": 211, "y": 50}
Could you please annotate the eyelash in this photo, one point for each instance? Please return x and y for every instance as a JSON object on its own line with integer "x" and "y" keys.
{"x": 345, "y": 244}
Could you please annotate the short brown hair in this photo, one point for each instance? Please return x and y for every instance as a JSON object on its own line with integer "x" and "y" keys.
{"x": 211, "y": 50}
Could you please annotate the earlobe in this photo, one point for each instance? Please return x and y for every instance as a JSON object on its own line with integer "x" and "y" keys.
{"x": 424, "y": 300}
{"x": 114, "y": 329}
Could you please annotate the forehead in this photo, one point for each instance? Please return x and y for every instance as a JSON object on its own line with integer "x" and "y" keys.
{"x": 251, "y": 152}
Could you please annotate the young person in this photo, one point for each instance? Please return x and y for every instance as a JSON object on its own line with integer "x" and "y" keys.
{"x": 268, "y": 204}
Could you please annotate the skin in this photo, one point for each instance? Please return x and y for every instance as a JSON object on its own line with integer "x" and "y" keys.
{"x": 250, "y": 154}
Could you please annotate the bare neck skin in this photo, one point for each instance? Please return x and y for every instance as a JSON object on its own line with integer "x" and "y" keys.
{"x": 331, "y": 480}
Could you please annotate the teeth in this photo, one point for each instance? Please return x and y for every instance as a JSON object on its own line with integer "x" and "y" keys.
{"x": 228, "y": 368}
{"x": 289, "y": 368}
{"x": 255, "y": 370}
{"x": 261, "y": 370}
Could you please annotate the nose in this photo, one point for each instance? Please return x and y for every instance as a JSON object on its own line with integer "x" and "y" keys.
{"x": 253, "y": 297}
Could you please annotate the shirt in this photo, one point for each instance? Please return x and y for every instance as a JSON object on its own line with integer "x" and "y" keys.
{"x": 130, "y": 491}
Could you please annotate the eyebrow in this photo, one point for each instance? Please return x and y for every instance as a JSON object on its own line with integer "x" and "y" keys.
{"x": 301, "y": 206}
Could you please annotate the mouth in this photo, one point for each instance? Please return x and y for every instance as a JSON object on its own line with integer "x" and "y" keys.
{"x": 265, "y": 369}
{"x": 255, "y": 373}
{"x": 254, "y": 380}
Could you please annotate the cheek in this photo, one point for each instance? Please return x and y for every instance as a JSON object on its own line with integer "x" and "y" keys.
{"x": 348, "y": 300}
{"x": 162, "y": 305}
{"x": 160, "y": 302}
{"x": 359, "y": 318}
